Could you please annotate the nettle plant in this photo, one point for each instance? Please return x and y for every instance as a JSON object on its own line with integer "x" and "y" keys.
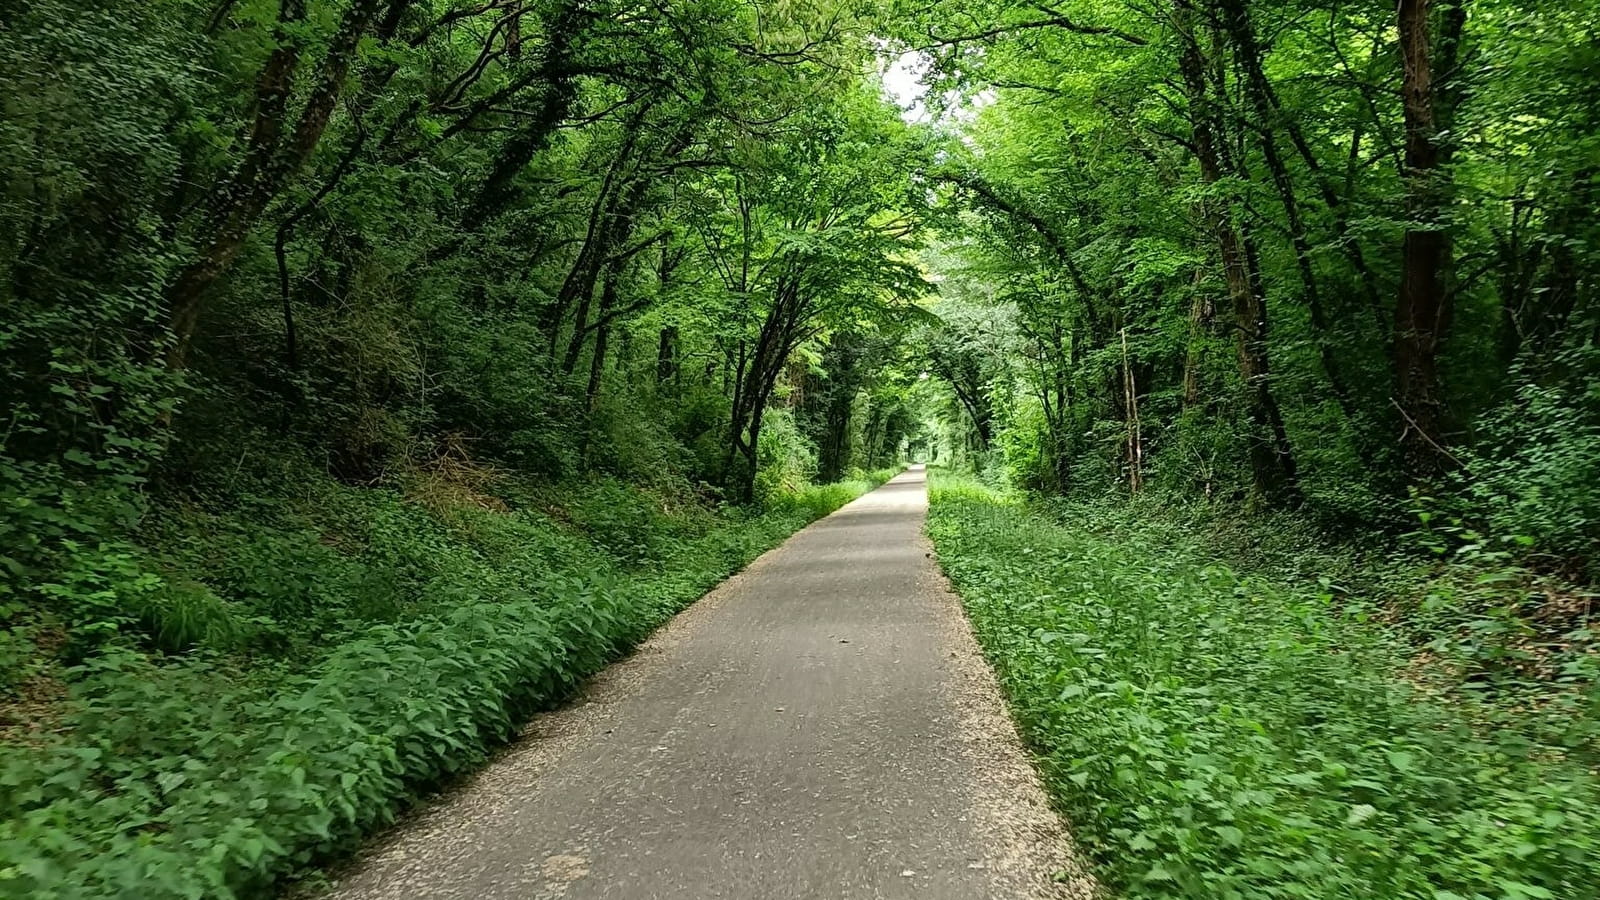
{"x": 1211, "y": 732}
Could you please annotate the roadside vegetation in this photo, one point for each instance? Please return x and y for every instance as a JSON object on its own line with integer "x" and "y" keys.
{"x": 271, "y": 682}
{"x": 1233, "y": 729}
{"x": 1274, "y": 325}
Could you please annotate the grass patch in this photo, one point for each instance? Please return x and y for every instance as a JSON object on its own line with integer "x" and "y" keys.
{"x": 1222, "y": 734}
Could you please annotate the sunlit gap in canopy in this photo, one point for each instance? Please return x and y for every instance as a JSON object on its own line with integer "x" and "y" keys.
{"x": 907, "y": 77}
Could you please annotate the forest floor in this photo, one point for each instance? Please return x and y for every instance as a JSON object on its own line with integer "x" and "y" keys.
{"x": 821, "y": 725}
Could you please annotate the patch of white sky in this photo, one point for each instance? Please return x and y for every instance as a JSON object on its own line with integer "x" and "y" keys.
{"x": 905, "y": 76}
{"x": 905, "y": 81}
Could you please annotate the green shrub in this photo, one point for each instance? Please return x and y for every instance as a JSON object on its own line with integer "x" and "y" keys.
{"x": 814, "y": 501}
{"x": 17, "y": 656}
{"x": 621, "y": 520}
{"x": 1536, "y": 473}
{"x": 1224, "y": 735}
{"x": 786, "y": 460}
{"x": 182, "y": 616}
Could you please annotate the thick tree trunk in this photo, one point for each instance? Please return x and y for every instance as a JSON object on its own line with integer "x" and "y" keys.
{"x": 667, "y": 356}
{"x": 1273, "y": 456}
{"x": 1423, "y": 312}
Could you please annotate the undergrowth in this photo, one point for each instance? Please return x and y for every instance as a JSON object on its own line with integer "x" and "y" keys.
{"x": 256, "y": 683}
{"x": 1228, "y": 733}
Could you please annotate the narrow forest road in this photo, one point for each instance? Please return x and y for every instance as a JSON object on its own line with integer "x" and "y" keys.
{"x": 819, "y": 726}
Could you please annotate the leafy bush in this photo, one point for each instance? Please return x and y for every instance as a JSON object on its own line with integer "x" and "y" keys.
{"x": 786, "y": 459}
{"x": 1217, "y": 734}
{"x": 1537, "y": 474}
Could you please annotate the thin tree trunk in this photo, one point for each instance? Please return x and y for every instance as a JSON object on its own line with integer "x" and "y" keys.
{"x": 1201, "y": 313}
{"x": 1271, "y": 462}
{"x": 555, "y": 102}
{"x": 1135, "y": 448}
{"x": 597, "y": 361}
{"x": 269, "y": 163}
{"x": 1236, "y": 21}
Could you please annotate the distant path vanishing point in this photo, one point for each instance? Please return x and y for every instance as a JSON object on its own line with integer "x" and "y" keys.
{"x": 821, "y": 725}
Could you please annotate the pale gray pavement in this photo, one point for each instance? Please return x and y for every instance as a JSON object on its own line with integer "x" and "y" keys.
{"x": 820, "y": 726}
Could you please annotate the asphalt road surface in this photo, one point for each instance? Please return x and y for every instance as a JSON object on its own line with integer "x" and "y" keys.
{"x": 820, "y": 726}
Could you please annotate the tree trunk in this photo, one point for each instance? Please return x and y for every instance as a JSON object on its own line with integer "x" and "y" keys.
{"x": 759, "y": 373}
{"x": 842, "y": 360}
{"x": 1202, "y": 310}
{"x": 1559, "y": 286}
{"x": 609, "y": 221}
{"x": 1135, "y": 434}
{"x": 555, "y": 102}
{"x": 1422, "y": 314}
{"x": 667, "y": 356}
{"x": 269, "y": 163}
{"x": 1236, "y": 21}
{"x": 1272, "y": 463}
{"x": 597, "y": 360}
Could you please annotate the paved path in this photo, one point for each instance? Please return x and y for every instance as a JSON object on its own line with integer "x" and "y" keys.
{"x": 820, "y": 726}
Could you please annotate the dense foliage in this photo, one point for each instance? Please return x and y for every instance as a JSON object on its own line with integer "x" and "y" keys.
{"x": 1286, "y": 252}
{"x": 372, "y": 370}
{"x": 1232, "y": 732}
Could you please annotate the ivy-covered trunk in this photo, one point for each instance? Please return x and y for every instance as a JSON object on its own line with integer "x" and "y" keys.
{"x": 274, "y": 156}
